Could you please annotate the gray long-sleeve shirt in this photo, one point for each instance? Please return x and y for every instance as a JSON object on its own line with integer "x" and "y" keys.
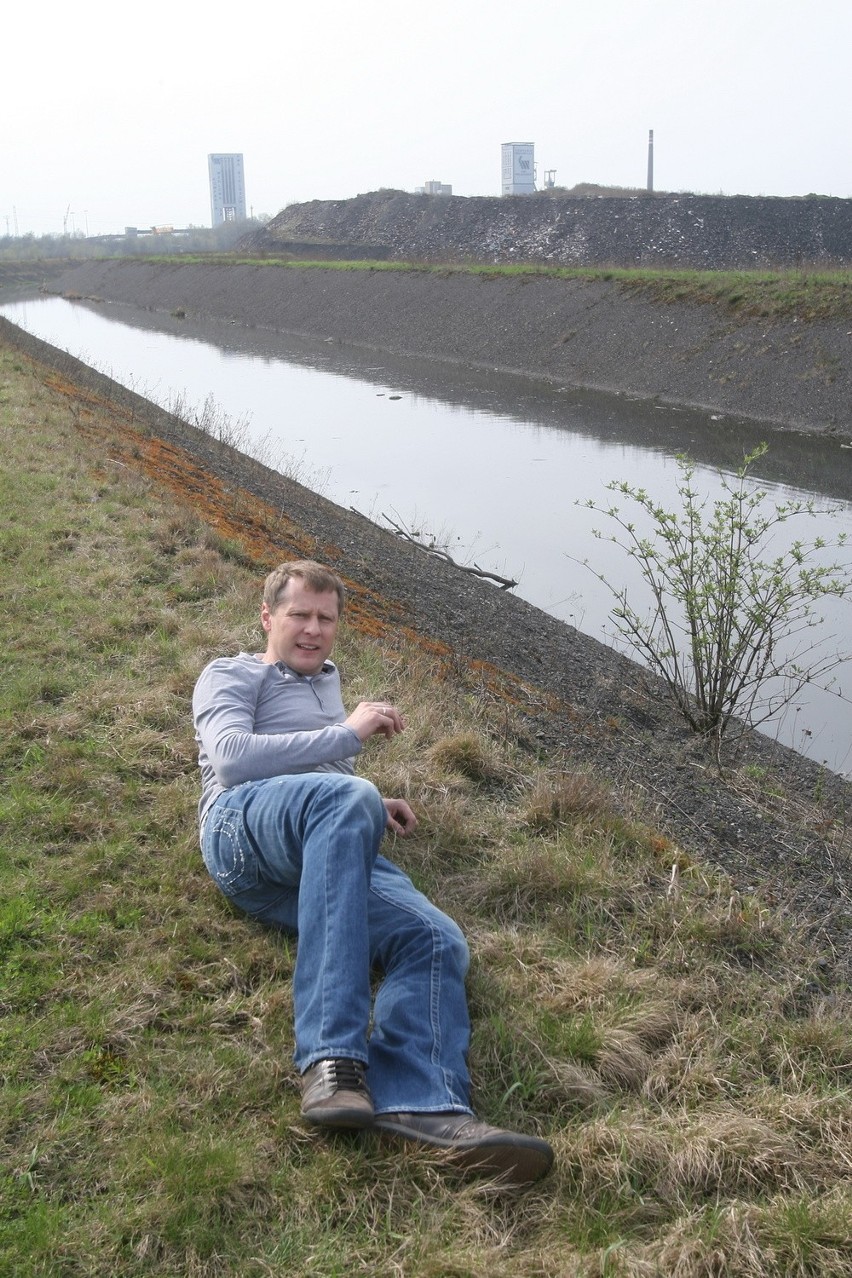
{"x": 255, "y": 720}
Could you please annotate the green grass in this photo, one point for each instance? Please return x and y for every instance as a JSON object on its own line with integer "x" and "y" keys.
{"x": 672, "y": 1039}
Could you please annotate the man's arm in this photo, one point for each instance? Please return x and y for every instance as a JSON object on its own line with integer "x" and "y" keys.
{"x": 224, "y": 708}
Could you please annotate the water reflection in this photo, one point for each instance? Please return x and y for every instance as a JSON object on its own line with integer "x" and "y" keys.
{"x": 491, "y": 465}
{"x": 817, "y": 463}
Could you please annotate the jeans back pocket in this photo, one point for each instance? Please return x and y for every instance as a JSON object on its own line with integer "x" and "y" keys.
{"x": 227, "y": 851}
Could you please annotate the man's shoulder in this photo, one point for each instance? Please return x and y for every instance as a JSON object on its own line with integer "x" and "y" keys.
{"x": 238, "y": 660}
{"x": 246, "y": 674}
{"x": 242, "y": 667}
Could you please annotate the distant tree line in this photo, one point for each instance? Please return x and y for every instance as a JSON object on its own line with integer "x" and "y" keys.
{"x": 146, "y": 240}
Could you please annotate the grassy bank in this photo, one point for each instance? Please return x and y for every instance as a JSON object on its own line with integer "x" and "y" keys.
{"x": 807, "y": 294}
{"x": 672, "y": 1038}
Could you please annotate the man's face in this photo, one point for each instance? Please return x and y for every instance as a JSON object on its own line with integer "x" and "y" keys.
{"x": 302, "y": 627}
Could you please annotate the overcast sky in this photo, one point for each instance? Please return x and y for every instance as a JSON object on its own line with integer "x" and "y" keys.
{"x": 109, "y": 110}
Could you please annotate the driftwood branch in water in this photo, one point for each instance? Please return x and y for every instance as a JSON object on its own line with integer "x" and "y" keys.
{"x": 505, "y": 583}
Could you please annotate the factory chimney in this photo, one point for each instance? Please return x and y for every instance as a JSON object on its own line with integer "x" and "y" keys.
{"x": 650, "y": 161}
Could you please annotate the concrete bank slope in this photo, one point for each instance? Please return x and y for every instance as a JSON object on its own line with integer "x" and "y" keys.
{"x": 579, "y": 333}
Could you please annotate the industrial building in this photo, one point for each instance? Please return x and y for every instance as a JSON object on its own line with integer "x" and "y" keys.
{"x": 227, "y": 188}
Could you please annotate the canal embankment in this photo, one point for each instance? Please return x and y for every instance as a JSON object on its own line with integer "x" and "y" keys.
{"x": 778, "y": 823}
{"x": 789, "y": 370}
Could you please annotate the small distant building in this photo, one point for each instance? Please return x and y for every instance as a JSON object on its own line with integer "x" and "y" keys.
{"x": 434, "y": 188}
{"x": 518, "y": 168}
{"x": 227, "y": 188}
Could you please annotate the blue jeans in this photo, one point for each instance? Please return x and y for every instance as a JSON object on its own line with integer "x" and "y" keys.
{"x": 300, "y": 853}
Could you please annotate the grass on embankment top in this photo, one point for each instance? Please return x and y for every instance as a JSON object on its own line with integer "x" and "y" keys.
{"x": 669, "y": 1036}
{"x": 806, "y": 294}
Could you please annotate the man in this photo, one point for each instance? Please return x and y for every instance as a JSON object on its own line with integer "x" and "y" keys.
{"x": 291, "y": 836}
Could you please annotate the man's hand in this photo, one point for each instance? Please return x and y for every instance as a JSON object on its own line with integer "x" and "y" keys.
{"x": 400, "y": 817}
{"x": 372, "y": 717}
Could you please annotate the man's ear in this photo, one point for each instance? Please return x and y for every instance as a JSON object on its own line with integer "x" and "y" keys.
{"x": 265, "y": 617}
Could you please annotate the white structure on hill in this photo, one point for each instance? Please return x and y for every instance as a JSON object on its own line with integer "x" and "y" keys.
{"x": 518, "y": 168}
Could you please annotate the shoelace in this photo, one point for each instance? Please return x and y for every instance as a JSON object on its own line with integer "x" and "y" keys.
{"x": 349, "y": 1076}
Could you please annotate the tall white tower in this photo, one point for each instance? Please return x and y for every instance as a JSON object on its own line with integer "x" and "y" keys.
{"x": 227, "y": 189}
{"x": 518, "y": 168}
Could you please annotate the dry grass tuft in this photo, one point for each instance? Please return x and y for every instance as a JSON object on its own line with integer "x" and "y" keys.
{"x": 469, "y": 755}
{"x": 727, "y": 1151}
{"x": 555, "y": 800}
{"x": 622, "y": 1060}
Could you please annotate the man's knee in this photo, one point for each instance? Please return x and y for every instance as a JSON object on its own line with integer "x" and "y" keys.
{"x": 364, "y": 790}
{"x": 455, "y": 944}
{"x": 354, "y": 800}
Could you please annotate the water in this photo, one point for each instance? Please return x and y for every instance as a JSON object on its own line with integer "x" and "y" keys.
{"x": 489, "y": 466}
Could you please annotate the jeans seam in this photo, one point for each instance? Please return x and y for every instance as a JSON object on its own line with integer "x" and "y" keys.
{"x": 322, "y": 1034}
{"x": 232, "y": 830}
{"x": 434, "y": 973}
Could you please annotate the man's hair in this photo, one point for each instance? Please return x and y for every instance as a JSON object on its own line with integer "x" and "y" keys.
{"x": 315, "y": 576}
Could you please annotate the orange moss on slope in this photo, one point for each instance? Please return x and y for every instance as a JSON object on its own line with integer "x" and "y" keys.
{"x": 265, "y": 534}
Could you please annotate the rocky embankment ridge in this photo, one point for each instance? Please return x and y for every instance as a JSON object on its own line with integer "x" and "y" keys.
{"x": 585, "y": 333}
{"x": 662, "y": 230}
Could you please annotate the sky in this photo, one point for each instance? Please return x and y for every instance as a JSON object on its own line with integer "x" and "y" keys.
{"x": 108, "y": 112}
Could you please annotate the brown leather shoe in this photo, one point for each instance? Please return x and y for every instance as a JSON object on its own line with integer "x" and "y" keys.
{"x": 474, "y": 1146}
{"x": 335, "y": 1094}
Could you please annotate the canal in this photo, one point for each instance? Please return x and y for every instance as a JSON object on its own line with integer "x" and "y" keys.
{"x": 494, "y": 469}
